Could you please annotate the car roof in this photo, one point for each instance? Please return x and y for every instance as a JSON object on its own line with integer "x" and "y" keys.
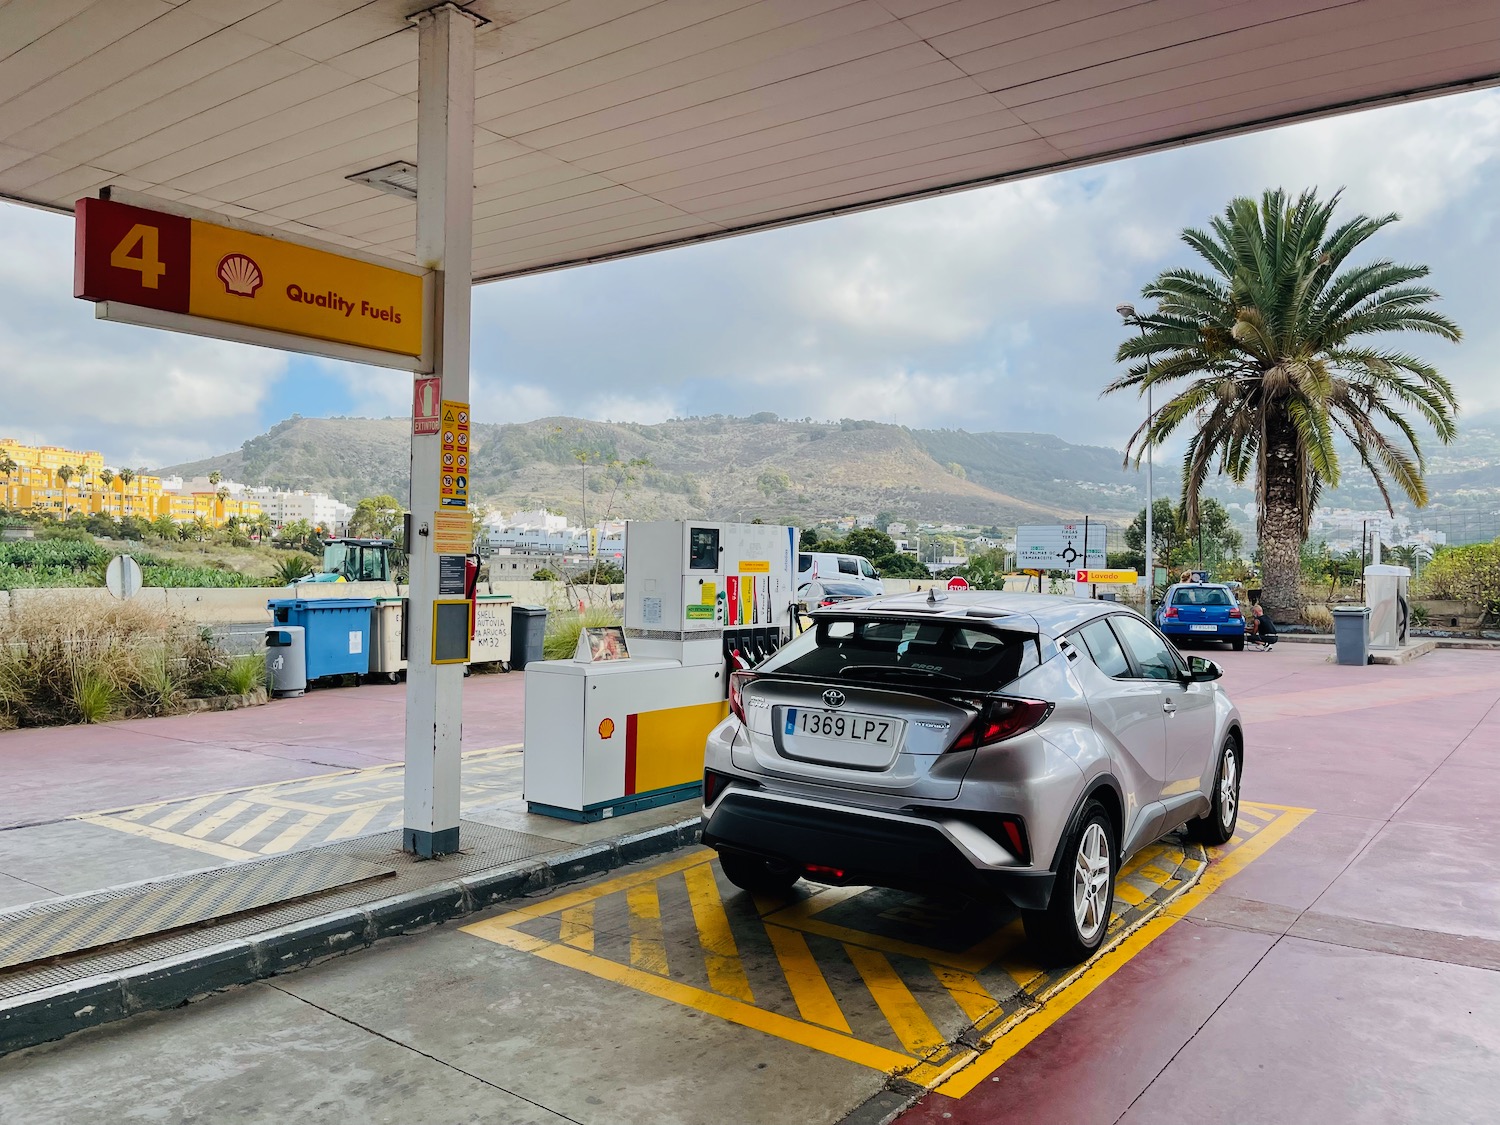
{"x": 1200, "y": 585}
{"x": 1048, "y": 614}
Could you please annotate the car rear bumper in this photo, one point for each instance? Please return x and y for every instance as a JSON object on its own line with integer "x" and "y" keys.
{"x": 1220, "y": 629}
{"x": 875, "y": 849}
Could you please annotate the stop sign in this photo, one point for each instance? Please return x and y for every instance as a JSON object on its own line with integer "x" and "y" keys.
{"x": 958, "y": 582}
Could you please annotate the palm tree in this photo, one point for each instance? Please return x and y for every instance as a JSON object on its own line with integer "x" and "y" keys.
{"x": 8, "y": 468}
{"x": 65, "y": 473}
{"x": 1269, "y": 345}
{"x": 215, "y": 477}
{"x": 222, "y": 495}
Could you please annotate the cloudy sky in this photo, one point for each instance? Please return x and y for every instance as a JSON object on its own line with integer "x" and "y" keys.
{"x": 992, "y": 309}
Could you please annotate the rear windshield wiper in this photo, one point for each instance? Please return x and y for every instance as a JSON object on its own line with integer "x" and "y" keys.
{"x": 892, "y": 669}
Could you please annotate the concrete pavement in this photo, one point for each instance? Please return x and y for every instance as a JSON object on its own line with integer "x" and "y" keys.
{"x": 1348, "y": 970}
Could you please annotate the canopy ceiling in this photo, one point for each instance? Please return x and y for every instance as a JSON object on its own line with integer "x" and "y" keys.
{"x": 610, "y": 127}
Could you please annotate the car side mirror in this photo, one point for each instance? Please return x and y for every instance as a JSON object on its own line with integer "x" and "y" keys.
{"x": 1202, "y": 670}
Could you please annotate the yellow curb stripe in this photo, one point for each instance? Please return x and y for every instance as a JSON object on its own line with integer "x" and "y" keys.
{"x": 912, "y": 1025}
{"x": 726, "y": 973}
{"x": 973, "y": 999}
{"x": 810, "y": 991}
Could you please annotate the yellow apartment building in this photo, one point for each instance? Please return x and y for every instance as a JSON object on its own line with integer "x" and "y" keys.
{"x": 34, "y": 484}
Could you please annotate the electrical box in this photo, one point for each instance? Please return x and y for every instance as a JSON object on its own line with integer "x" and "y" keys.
{"x": 687, "y": 582}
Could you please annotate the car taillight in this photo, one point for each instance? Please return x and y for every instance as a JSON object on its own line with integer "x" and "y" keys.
{"x": 714, "y": 783}
{"x": 827, "y": 601}
{"x": 1236, "y": 613}
{"x": 1002, "y": 719}
{"x": 1170, "y": 611}
{"x": 738, "y": 681}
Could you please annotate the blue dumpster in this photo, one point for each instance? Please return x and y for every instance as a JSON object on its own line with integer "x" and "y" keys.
{"x": 336, "y": 631}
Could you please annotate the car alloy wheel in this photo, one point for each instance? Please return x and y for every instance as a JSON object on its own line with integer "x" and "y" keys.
{"x": 1091, "y": 883}
{"x": 1229, "y": 789}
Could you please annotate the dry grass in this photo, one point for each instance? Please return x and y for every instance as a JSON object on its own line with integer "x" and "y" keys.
{"x": 60, "y": 663}
{"x": 1320, "y": 617}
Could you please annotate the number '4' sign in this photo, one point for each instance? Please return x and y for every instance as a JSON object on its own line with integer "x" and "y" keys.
{"x": 147, "y": 262}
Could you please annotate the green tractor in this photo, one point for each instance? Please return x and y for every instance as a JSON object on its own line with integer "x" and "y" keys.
{"x": 356, "y": 560}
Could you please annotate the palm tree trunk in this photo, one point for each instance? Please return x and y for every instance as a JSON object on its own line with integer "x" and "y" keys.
{"x": 1281, "y": 521}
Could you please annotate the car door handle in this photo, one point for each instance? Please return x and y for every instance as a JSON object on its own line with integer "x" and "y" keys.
{"x": 1169, "y": 707}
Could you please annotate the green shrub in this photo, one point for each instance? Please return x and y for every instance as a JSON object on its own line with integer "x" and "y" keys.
{"x": 561, "y": 639}
{"x": 294, "y": 566}
{"x": 64, "y": 663}
{"x": 543, "y": 574}
{"x": 1465, "y": 574}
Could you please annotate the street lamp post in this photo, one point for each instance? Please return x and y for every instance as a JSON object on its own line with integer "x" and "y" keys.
{"x": 1127, "y": 314}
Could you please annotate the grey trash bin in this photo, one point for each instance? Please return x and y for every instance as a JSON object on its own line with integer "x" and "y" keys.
{"x": 528, "y": 625}
{"x": 286, "y": 660}
{"x": 1351, "y": 634}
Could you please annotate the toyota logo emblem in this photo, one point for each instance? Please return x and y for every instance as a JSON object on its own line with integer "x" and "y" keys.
{"x": 833, "y": 697}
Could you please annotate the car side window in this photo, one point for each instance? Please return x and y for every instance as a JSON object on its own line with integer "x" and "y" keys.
{"x": 866, "y": 569}
{"x": 1153, "y": 656}
{"x": 848, "y": 566}
{"x": 804, "y": 562}
{"x": 1105, "y": 649}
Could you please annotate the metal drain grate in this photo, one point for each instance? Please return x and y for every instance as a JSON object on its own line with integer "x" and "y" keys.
{"x": 485, "y": 848}
{"x": 57, "y": 929}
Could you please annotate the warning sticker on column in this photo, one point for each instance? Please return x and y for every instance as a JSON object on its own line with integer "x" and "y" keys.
{"x": 453, "y": 484}
{"x": 452, "y": 533}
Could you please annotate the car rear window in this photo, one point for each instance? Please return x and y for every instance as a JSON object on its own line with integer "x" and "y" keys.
{"x": 1200, "y": 596}
{"x": 911, "y": 653}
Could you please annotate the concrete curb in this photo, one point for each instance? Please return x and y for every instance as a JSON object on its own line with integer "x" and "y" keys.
{"x": 52, "y": 1013}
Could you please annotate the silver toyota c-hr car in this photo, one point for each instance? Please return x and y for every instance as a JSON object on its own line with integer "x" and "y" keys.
{"x": 1013, "y": 746}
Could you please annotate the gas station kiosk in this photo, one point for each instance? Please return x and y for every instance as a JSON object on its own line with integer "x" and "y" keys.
{"x": 622, "y": 725}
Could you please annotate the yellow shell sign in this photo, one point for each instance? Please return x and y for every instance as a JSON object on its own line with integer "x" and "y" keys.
{"x": 266, "y": 283}
{"x": 146, "y": 259}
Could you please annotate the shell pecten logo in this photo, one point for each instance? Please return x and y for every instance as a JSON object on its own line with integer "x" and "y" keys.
{"x": 240, "y": 275}
{"x": 607, "y": 729}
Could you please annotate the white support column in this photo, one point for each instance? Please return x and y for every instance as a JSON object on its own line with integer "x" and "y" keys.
{"x": 445, "y": 217}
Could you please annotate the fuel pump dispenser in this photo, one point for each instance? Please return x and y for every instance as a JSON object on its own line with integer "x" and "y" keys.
{"x": 623, "y": 724}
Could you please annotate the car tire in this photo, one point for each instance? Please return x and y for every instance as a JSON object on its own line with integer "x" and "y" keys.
{"x": 1238, "y": 644}
{"x": 1074, "y": 924}
{"x": 756, "y": 875}
{"x": 1218, "y": 824}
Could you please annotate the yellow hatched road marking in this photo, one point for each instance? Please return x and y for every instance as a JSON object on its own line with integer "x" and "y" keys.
{"x": 293, "y": 835}
{"x": 814, "y": 999}
{"x": 1127, "y": 893}
{"x": 725, "y": 1007}
{"x": 721, "y": 956}
{"x": 1015, "y": 1034}
{"x": 143, "y": 811}
{"x": 578, "y": 927}
{"x": 648, "y": 949}
{"x": 222, "y": 851}
{"x": 355, "y": 821}
{"x": 254, "y": 828}
{"x": 915, "y": 1029}
{"x": 219, "y": 819}
{"x": 968, "y": 993}
{"x": 181, "y": 813}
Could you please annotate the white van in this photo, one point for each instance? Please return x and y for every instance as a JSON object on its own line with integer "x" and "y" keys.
{"x": 855, "y": 569}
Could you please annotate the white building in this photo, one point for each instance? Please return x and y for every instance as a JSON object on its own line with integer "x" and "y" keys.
{"x": 317, "y": 508}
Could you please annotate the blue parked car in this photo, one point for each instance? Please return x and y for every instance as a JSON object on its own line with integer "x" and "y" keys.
{"x": 1203, "y": 610}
